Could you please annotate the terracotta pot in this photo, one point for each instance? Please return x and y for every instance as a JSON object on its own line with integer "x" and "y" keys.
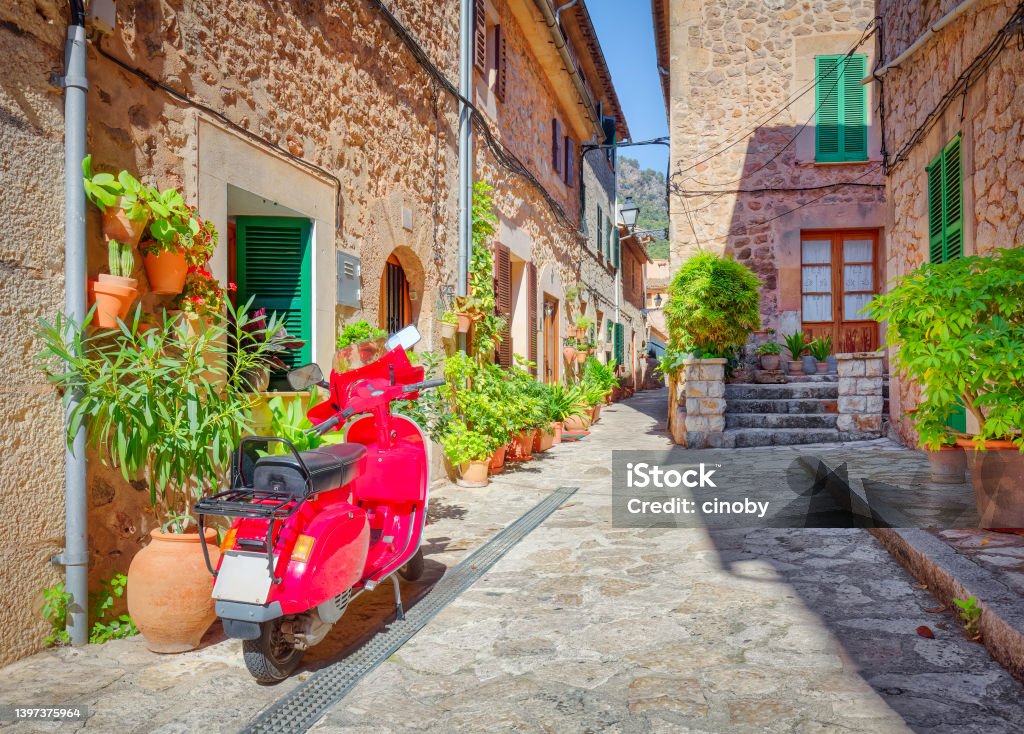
{"x": 997, "y": 476}
{"x": 821, "y": 367}
{"x": 581, "y": 357}
{"x": 795, "y": 366}
{"x": 948, "y": 464}
{"x": 112, "y": 303}
{"x": 616, "y": 394}
{"x": 118, "y": 280}
{"x": 465, "y": 321}
{"x": 169, "y": 590}
{"x": 497, "y": 464}
{"x": 117, "y": 226}
{"x": 447, "y": 330}
{"x": 581, "y": 333}
{"x": 576, "y": 423}
{"x": 166, "y": 271}
{"x": 556, "y": 436}
{"x": 595, "y": 414}
{"x": 569, "y": 353}
{"x": 770, "y": 361}
{"x": 542, "y": 441}
{"x": 473, "y": 474}
{"x": 522, "y": 446}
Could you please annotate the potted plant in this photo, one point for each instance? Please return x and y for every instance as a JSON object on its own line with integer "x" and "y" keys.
{"x": 172, "y": 234}
{"x": 948, "y": 462}
{"x": 358, "y": 339}
{"x": 582, "y": 323}
{"x": 820, "y": 349}
{"x": 114, "y": 292}
{"x": 769, "y": 354}
{"x": 563, "y": 404}
{"x": 796, "y": 343}
{"x": 148, "y": 410}
{"x": 955, "y": 326}
{"x": 470, "y": 451}
{"x": 583, "y": 351}
{"x": 121, "y": 198}
{"x": 569, "y": 351}
{"x": 270, "y": 341}
{"x": 448, "y": 325}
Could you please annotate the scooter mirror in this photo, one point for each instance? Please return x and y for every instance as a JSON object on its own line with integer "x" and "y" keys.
{"x": 407, "y": 338}
{"x": 303, "y": 378}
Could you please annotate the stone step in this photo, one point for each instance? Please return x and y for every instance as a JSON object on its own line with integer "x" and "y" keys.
{"x": 812, "y": 406}
{"x": 780, "y": 420}
{"x": 751, "y": 437}
{"x": 801, "y": 390}
{"x": 811, "y": 378}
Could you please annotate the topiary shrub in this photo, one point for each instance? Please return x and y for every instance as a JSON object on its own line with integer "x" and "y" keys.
{"x": 713, "y": 305}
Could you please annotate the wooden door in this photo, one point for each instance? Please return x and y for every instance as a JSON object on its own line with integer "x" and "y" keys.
{"x": 552, "y": 352}
{"x": 839, "y": 276}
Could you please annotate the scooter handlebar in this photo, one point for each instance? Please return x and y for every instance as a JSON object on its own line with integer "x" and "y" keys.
{"x": 426, "y": 384}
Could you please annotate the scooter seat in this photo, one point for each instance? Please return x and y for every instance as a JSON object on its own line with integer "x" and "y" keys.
{"x": 329, "y": 467}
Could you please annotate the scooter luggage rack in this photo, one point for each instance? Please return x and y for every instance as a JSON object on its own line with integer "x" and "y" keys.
{"x": 247, "y": 501}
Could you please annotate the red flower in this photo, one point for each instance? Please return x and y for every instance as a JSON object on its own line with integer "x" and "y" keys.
{"x": 232, "y": 287}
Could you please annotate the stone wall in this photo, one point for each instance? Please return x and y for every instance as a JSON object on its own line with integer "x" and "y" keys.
{"x": 991, "y": 119}
{"x": 860, "y": 394}
{"x": 733, "y": 64}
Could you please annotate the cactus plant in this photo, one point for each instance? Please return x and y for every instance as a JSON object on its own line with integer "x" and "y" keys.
{"x": 120, "y": 259}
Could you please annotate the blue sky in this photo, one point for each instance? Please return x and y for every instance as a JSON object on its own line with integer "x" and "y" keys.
{"x": 627, "y": 39}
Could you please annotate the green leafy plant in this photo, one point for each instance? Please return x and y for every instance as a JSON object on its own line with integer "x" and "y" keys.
{"x": 175, "y": 225}
{"x": 957, "y": 329}
{"x": 167, "y": 403}
{"x": 124, "y": 190}
{"x": 358, "y": 332}
{"x": 121, "y": 626}
{"x": 598, "y": 379}
{"x": 670, "y": 363}
{"x": 462, "y": 444}
{"x": 768, "y": 348}
{"x": 449, "y": 317}
{"x": 820, "y": 348}
{"x": 970, "y": 614}
{"x": 120, "y": 259}
{"x": 582, "y": 322}
{"x": 430, "y": 410}
{"x": 288, "y": 420}
{"x": 796, "y": 343}
{"x": 564, "y": 402}
{"x": 713, "y": 305}
{"x": 479, "y": 401}
{"x": 55, "y": 611}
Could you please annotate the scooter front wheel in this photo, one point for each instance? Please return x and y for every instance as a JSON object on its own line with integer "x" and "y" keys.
{"x": 412, "y": 570}
{"x": 271, "y": 658}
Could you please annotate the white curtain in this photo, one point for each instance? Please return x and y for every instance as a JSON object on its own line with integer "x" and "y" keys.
{"x": 817, "y": 308}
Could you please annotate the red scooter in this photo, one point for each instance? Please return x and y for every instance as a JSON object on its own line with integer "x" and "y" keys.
{"x": 316, "y": 528}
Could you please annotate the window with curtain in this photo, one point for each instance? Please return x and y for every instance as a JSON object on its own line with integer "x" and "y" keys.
{"x": 816, "y": 280}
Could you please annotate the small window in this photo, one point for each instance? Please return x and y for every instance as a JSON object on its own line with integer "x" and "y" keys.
{"x": 841, "y": 129}
{"x": 556, "y": 145}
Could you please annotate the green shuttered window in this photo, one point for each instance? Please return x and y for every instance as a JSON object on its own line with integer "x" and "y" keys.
{"x": 841, "y": 129}
{"x": 618, "y": 349}
{"x": 616, "y": 248}
{"x": 945, "y": 204}
{"x": 272, "y": 259}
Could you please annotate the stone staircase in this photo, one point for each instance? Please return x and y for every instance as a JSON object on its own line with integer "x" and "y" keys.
{"x": 804, "y": 410}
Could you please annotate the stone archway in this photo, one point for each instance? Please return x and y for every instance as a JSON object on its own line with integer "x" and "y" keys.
{"x": 401, "y": 290}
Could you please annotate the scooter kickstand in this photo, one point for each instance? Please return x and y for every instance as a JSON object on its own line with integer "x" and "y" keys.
{"x": 399, "y": 611}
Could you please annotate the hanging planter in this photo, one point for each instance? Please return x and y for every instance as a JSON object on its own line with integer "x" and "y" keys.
{"x": 447, "y": 330}
{"x": 581, "y": 357}
{"x": 569, "y": 353}
{"x": 165, "y": 270}
{"x": 112, "y": 303}
{"x": 118, "y": 226}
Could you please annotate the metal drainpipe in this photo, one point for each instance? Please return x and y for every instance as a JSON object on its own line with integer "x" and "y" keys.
{"x": 75, "y": 557}
{"x": 465, "y": 144}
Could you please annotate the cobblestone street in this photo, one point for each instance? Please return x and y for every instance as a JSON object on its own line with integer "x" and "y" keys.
{"x": 582, "y": 627}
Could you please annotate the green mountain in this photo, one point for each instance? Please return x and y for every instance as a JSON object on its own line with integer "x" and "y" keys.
{"x": 647, "y": 187}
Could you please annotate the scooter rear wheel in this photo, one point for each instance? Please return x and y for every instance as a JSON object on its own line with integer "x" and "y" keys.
{"x": 270, "y": 658}
{"x": 412, "y": 570}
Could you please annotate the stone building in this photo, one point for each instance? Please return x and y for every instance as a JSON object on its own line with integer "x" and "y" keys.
{"x": 973, "y": 123}
{"x": 658, "y": 276}
{"x": 775, "y": 156}
{"x": 305, "y": 120}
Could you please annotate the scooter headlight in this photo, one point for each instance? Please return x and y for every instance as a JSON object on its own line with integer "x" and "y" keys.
{"x": 303, "y": 548}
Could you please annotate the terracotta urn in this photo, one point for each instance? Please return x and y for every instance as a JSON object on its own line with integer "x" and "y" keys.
{"x": 576, "y": 423}
{"x": 948, "y": 465}
{"x": 165, "y": 271}
{"x": 465, "y": 321}
{"x": 569, "y": 353}
{"x": 581, "y": 357}
{"x": 997, "y": 476}
{"x": 473, "y": 473}
{"x": 595, "y": 414}
{"x": 169, "y": 590}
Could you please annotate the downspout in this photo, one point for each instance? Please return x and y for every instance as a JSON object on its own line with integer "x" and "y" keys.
{"x": 75, "y": 556}
{"x": 465, "y": 144}
{"x": 559, "y": 40}
{"x": 932, "y": 30}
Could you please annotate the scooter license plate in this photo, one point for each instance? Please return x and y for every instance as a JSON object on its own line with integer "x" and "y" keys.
{"x": 243, "y": 577}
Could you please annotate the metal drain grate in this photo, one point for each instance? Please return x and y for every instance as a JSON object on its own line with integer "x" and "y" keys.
{"x": 305, "y": 705}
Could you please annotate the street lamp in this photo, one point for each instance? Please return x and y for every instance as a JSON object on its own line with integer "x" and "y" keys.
{"x": 657, "y": 300}
{"x": 629, "y": 212}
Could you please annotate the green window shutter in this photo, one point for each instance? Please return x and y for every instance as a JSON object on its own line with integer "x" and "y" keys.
{"x": 618, "y": 349}
{"x": 952, "y": 195}
{"x": 607, "y": 239}
{"x": 616, "y": 248}
{"x": 600, "y": 229}
{"x": 945, "y": 204}
{"x": 841, "y": 132}
{"x": 272, "y": 258}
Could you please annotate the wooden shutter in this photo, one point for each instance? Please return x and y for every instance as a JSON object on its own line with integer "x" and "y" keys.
{"x": 952, "y": 194}
{"x": 841, "y": 132}
{"x": 272, "y": 256}
{"x": 945, "y": 204}
{"x": 556, "y": 145}
{"x": 531, "y": 312}
{"x": 501, "y": 65}
{"x": 480, "y": 35}
{"x": 600, "y": 232}
{"x": 618, "y": 350}
{"x": 570, "y": 162}
{"x": 503, "y": 301}
{"x": 608, "y": 240}
{"x": 616, "y": 247}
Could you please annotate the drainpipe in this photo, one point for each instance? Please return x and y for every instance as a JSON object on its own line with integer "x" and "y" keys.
{"x": 75, "y": 556}
{"x": 559, "y": 40}
{"x": 465, "y": 144}
{"x": 558, "y": 13}
{"x": 932, "y": 30}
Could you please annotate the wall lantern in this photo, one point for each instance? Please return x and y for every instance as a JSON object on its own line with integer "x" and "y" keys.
{"x": 629, "y": 212}
{"x": 657, "y": 300}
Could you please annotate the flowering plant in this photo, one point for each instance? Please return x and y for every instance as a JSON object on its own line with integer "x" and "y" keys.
{"x": 268, "y": 337}
{"x": 202, "y": 293}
